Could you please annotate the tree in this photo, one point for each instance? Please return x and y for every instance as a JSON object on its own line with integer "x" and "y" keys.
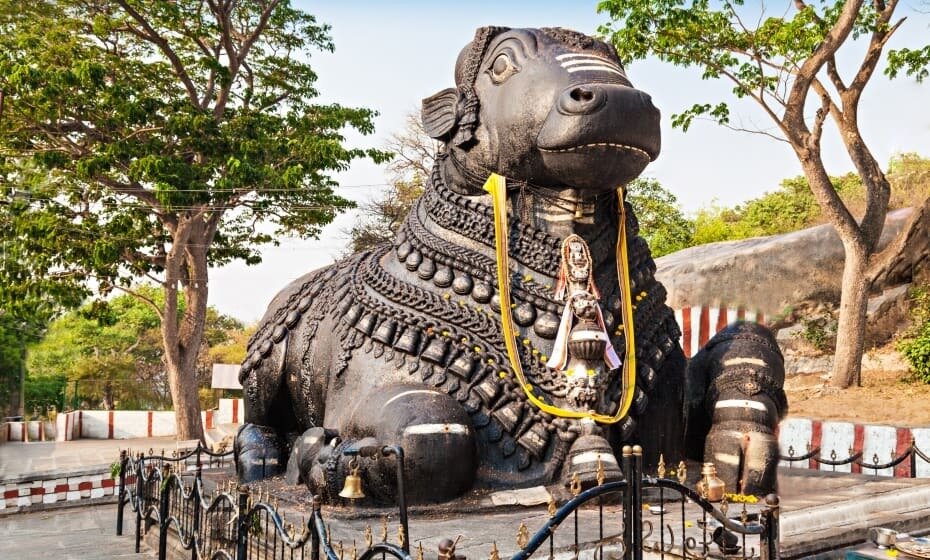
{"x": 112, "y": 350}
{"x": 165, "y": 134}
{"x": 661, "y": 221}
{"x": 413, "y": 153}
{"x": 781, "y": 63}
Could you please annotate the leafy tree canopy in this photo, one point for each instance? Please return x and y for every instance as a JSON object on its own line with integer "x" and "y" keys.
{"x": 145, "y": 138}
{"x": 661, "y": 221}
{"x": 113, "y": 350}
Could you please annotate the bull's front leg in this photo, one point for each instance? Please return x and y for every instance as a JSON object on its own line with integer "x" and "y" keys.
{"x": 742, "y": 371}
{"x": 431, "y": 427}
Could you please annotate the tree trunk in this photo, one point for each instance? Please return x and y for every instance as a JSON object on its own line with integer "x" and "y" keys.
{"x": 186, "y": 266}
{"x": 850, "y": 330}
{"x": 186, "y": 403}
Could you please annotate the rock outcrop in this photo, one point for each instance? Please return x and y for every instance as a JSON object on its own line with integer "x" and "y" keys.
{"x": 764, "y": 273}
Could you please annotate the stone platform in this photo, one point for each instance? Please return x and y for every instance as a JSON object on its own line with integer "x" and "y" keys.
{"x": 820, "y": 512}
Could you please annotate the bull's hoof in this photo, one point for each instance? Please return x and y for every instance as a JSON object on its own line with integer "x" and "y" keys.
{"x": 304, "y": 453}
{"x": 257, "y": 452}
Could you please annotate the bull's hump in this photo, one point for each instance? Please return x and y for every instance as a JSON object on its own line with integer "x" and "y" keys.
{"x": 286, "y": 310}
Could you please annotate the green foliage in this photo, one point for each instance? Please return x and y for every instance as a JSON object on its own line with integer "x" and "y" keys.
{"x": 756, "y": 52}
{"x": 144, "y": 138}
{"x": 661, "y": 221}
{"x": 385, "y": 214}
{"x": 790, "y": 208}
{"x": 916, "y": 350}
{"x": 43, "y": 392}
{"x": 111, "y": 353}
{"x": 909, "y": 175}
{"x": 915, "y": 345}
{"x": 818, "y": 332}
{"x": 107, "y": 116}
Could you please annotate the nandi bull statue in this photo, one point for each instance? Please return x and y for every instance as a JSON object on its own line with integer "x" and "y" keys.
{"x": 513, "y": 333}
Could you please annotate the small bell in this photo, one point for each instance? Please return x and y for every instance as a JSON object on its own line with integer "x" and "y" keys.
{"x": 352, "y": 489}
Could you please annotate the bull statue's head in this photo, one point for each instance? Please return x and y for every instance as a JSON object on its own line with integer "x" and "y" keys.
{"x": 549, "y": 107}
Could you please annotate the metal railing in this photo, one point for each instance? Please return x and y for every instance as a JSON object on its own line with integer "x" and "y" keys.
{"x": 218, "y": 524}
{"x": 815, "y": 458}
{"x": 605, "y": 519}
{"x": 625, "y": 533}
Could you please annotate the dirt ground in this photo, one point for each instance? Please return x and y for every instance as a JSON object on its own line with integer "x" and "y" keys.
{"x": 884, "y": 398}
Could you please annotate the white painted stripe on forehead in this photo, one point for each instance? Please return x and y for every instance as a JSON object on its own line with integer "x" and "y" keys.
{"x": 580, "y": 55}
{"x": 424, "y": 429}
{"x": 596, "y": 69}
{"x": 592, "y": 60}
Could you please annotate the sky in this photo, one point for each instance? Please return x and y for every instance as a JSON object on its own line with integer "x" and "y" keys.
{"x": 390, "y": 55}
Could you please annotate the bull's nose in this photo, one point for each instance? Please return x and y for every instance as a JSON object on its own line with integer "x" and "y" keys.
{"x": 582, "y": 100}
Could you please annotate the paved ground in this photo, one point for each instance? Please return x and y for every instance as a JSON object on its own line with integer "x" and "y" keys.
{"x": 20, "y": 459}
{"x": 817, "y": 508}
{"x": 87, "y": 532}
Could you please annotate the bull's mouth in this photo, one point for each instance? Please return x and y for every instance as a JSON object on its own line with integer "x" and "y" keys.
{"x": 593, "y": 146}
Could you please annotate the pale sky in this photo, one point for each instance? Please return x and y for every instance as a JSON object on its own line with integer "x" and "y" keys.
{"x": 390, "y": 55}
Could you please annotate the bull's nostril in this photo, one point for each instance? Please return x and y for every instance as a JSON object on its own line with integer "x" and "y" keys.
{"x": 579, "y": 94}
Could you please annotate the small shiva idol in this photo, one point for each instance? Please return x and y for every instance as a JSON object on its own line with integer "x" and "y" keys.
{"x": 582, "y": 346}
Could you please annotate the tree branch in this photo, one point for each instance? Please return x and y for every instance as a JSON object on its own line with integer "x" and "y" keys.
{"x": 152, "y": 36}
{"x": 144, "y": 298}
{"x": 794, "y": 115}
{"x": 873, "y": 54}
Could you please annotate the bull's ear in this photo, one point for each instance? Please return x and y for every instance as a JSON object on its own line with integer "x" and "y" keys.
{"x": 439, "y": 113}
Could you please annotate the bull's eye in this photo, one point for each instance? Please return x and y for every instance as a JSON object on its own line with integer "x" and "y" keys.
{"x": 502, "y": 68}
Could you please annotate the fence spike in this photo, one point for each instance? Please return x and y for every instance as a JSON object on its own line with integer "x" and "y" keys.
{"x": 401, "y": 536}
{"x": 682, "y": 472}
{"x": 523, "y": 535}
{"x": 420, "y": 550}
{"x": 369, "y": 537}
{"x": 495, "y": 554}
{"x": 575, "y": 485}
{"x": 599, "y": 473}
{"x": 384, "y": 529}
{"x": 661, "y": 470}
{"x": 552, "y": 506}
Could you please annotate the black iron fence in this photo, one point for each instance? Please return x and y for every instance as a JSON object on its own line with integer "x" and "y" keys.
{"x": 814, "y": 456}
{"x": 625, "y": 519}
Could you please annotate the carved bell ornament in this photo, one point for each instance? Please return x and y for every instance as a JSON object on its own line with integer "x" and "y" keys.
{"x": 352, "y": 489}
{"x": 710, "y": 486}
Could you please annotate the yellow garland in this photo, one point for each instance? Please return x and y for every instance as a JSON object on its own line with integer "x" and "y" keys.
{"x": 497, "y": 187}
{"x": 741, "y": 498}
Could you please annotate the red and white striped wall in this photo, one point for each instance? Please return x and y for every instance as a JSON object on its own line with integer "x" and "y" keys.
{"x": 700, "y": 324}
{"x": 843, "y": 438}
{"x": 115, "y": 424}
{"x": 65, "y": 489}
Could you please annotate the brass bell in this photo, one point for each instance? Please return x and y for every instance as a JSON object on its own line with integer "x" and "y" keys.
{"x": 352, "y": 489}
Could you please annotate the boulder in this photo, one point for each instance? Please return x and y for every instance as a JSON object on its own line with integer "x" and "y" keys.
{"x": 764, "y": 273}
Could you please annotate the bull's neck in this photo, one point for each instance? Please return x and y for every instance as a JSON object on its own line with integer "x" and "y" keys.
{"x": 540, "y": 219}
{"x": 562, "y": 213}
{"x": 555, "y": 212}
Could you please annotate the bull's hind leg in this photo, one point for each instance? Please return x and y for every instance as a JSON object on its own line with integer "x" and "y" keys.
{"x": 259, "y": 447}
{"x": 431, "y": 427}
{"x": 742, "y": 372}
